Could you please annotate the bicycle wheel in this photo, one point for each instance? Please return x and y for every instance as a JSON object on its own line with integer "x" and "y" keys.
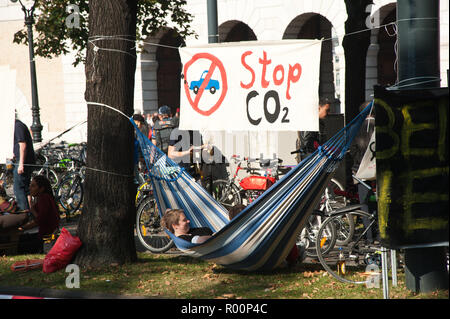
{"x": 143, "y": 190}
{"x": 225, "y": 193}
{"x": 307, "y": 237}
{"x": 69, "y": 193}
{"x": 362, "y": 262}
{"x": 333, "y": 199}
{"x": 50, "y": 174}
{"x": 148, "y": 228}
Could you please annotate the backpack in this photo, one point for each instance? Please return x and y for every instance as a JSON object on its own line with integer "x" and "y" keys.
{"x": 162, "y": 130}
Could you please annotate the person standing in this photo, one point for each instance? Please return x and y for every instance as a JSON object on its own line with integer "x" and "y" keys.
{"x": 163, "y": 128}
{"x": 24, "y": 159}
{"x": 309, "y": 141}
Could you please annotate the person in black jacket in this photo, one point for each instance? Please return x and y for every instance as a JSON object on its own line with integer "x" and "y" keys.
{"x": 309, "y": 141}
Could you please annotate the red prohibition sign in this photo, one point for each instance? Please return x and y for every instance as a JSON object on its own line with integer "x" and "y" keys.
{"x": 215, "y": 63}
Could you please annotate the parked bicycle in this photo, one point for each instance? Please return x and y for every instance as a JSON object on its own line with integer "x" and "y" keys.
{"x": 332, "y": 198}
{"x": 45, "y": 166}
{"x": 229, "y": 194}
{"x": 69, "y": 192}
{"x": 357, "y": 260}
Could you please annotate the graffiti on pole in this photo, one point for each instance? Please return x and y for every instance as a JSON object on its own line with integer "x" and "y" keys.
{"x": 412, "y": 166}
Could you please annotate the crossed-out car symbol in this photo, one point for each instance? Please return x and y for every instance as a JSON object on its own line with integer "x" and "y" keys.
{"x": 212, "y": 86}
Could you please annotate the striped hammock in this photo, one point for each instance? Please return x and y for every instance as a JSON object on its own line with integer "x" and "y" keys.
{"x": 261, "y": 236}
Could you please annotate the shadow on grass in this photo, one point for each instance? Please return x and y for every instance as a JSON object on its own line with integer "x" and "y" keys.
{"x": 300, "y": 267}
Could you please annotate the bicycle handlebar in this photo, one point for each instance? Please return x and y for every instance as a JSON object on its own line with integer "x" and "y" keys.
{"x": 263, "y": 162}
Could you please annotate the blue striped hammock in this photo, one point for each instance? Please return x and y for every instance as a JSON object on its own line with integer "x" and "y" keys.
{"x": 261, "y": 236}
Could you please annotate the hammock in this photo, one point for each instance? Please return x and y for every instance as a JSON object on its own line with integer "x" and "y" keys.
{"x": 261, "y": 236}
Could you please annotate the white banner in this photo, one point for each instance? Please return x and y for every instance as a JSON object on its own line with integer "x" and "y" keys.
{"x": 268, "y": 86}
{"x": 7, "y": 104}
{"x": 367, "y": 170}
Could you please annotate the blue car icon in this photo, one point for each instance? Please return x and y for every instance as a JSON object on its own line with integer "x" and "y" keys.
{"x": 212, "y": 86}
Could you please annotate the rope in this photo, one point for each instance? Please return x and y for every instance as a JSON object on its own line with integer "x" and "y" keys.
{"x": 109, "y": 107}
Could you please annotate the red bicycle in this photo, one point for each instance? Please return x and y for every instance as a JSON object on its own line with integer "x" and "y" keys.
{"x": 243, "y": 191}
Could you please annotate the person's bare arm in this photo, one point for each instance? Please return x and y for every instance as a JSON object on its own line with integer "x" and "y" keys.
{"x": 33, "y": 223}
{"x": 201, "y": 239}
{"x": 173, "y": 154}
{"x": 22, "y": 151}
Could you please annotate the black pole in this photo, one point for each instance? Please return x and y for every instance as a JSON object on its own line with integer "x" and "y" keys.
{"x": 418, "y": 43}
{"x": 213, "y": 33}
{"x": 418, "y": 67}
{"x": 36, "y": 126}
{"x": 213, "y": 37}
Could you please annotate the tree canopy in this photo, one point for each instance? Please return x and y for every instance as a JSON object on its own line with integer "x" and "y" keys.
{"x": 62, "y": 27}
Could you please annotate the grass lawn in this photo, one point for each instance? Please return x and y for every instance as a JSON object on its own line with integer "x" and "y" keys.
{"x": 177, "y": 276}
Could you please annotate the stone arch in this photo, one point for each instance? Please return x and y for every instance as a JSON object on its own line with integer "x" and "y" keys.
{"x": 161, "y": 70}
{"x": 381, "y": 68}
{"x": 312, "y": 25}
{"x": 234, "y": 31}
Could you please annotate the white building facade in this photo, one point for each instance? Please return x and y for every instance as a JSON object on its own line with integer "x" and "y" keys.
{"x": 61, "y": 85}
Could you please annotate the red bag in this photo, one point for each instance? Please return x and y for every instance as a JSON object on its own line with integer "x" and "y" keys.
{"x": 257, "y": 182}
{"x": 62, "y": 252}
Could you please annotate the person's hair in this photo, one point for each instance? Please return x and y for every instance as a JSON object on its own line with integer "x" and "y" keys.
{"x": 139, "y": 118}
{"x": 171, "y": 216}
{"x": 164, "y": 110}
{"x": 42, "y": 181}
{"x": 324, "y": 100}
{"x": 233, "y": 211}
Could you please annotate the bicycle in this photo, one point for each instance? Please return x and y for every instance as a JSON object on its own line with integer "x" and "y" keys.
{"x": 46, "y": 169}
{"x": 69, "y": 192}
{"x": 148, "y": 221}
{"x": 332, "y": 199}
{"x": 148, "y": 226}
{"x": 250, "y": 187}
{"x": 348, "y": 259}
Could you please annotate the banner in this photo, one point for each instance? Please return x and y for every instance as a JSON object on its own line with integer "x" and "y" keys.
{"x": 269, "y": 86}
{"x": 7, "y": 104}
{"x": 367, "y": 170}
{"x": 412, "y": 166}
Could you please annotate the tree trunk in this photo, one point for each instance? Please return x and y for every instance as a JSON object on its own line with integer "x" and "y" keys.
{"x": 106, "y": 224}
{"x": 355, "y": 49}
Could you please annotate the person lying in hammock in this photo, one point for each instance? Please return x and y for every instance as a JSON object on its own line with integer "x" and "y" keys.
{"x": 177, "y": 223}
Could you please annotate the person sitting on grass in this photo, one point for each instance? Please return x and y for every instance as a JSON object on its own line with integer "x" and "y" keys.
{"x": 176, "y": 222}
{"x": 43, "y": 212}
{"x": 10, "y": 216}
